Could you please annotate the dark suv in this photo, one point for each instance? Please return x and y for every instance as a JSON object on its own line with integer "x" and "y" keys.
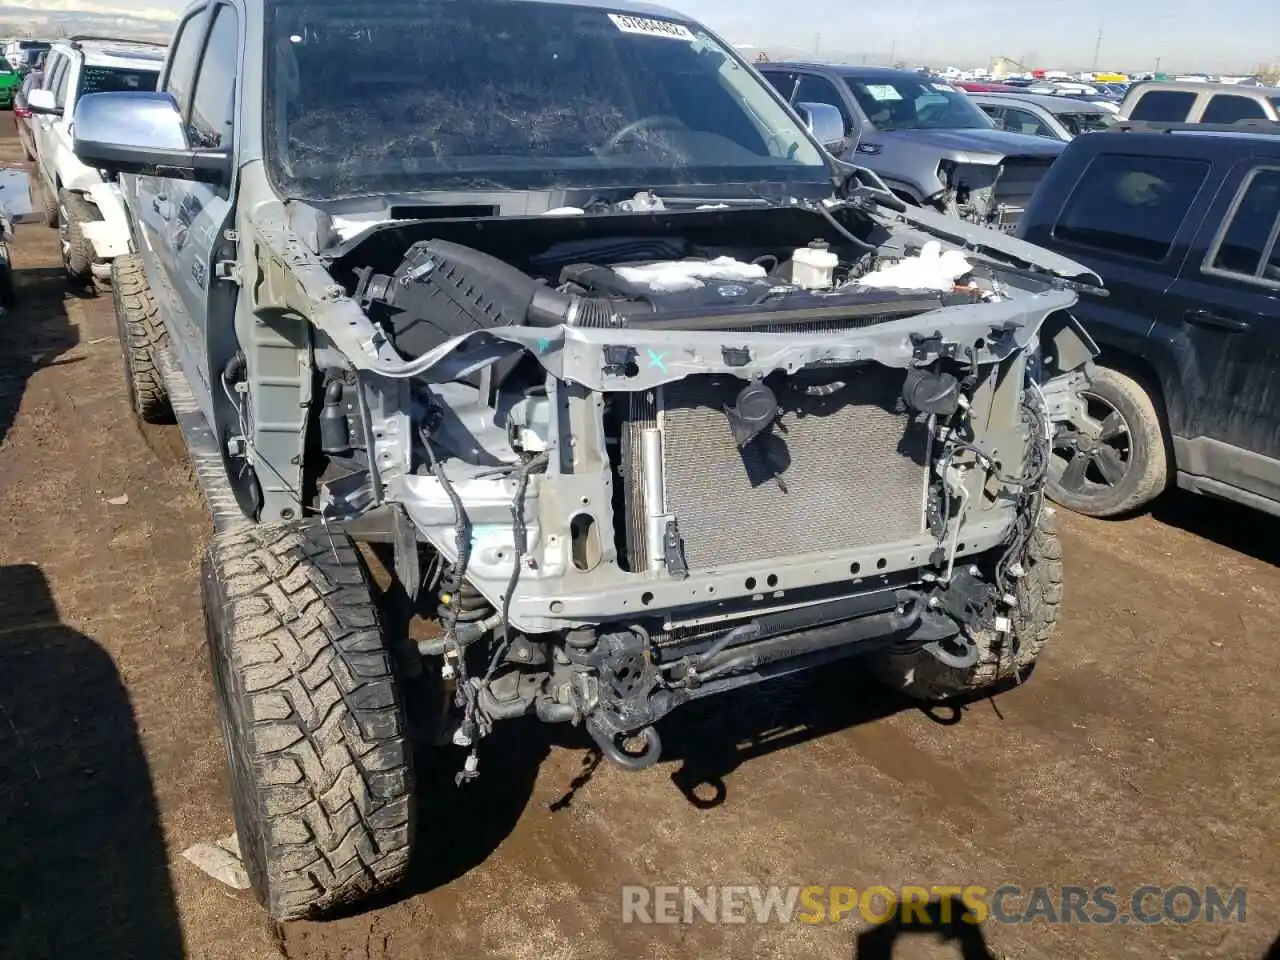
{"x": 1182, "y": 223}
{"x": 927, "y": 140}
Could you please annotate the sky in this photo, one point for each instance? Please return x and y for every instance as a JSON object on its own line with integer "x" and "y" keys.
{"x": 1184, "y": 34}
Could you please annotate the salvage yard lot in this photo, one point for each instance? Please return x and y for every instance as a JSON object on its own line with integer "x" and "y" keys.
{"x": 1142, "y": 751}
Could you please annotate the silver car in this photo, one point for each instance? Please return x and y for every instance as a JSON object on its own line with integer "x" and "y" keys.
{"x": 1043, "y": 115}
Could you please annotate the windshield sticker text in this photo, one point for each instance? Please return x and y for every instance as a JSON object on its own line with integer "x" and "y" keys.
{"x": 652, "y": 28}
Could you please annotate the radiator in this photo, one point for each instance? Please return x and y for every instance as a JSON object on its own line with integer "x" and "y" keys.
{"x": 842, "y": 470}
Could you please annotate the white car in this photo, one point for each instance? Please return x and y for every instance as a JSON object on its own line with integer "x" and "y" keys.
{"x": 80, "y": 201}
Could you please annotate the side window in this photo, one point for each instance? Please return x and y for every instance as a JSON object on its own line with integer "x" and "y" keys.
{"x": 60, "y": 82}
{"x": 1163, "y": 106}
{"x": 813, "y": 89}
{"x": 1023, "y": 121}
{"x": 209, "y": 127}
{"x": 55, "y": 66}
{"x": 1255, "y": 216}
{"x": 1131, "y": 205}
{"x": 995, "y": 113}
{"x": 784, "y": 83}
{"x": 182, "y": 62}
{"x": 1228, "y": 108}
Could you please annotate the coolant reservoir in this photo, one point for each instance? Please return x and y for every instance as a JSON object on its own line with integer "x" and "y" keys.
{"x": 814, "y": 266}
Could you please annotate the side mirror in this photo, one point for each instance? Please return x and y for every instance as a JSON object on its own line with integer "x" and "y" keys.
{"x": 43, "y": 102}
{"x": 825, "y": 123}
{"x": 143, "y": 134}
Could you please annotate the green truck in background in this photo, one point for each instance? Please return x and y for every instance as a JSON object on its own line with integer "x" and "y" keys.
{"x": 10, "y": 81}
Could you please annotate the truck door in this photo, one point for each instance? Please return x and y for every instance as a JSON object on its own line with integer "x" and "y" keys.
{"x": 1223, "y": 312}
{"x": 155, "y": 203}
{"x": 200, "y": 211}
{"x": 46, "y": 147}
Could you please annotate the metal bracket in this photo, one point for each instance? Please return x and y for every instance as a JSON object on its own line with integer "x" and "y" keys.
{"x": 228, "y": 270}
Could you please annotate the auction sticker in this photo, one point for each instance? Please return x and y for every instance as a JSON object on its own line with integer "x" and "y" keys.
{"x": 648, "y": 27}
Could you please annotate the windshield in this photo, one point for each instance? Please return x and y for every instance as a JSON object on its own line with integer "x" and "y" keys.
{"x": 1078, "y": 123}
{"x": 413, "y": 95}
{"x": 911, "y": 104}
{"x": 116, "y": 80}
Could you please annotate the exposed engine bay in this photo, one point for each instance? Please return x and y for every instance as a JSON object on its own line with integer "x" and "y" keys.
{"x": 648, "y": 467}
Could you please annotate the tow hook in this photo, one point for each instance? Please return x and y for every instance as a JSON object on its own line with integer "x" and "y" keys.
{"x": 961, "y": 661}
{"x": 611, "y": 746}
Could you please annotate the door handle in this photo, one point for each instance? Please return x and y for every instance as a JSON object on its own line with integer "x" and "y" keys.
{"x": 1214, "y": 320}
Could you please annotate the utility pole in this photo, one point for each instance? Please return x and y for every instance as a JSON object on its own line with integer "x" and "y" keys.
{"x": 1097, "y": 49}
{"x": 892, "y": 50}
{"x": 817, "y": 44}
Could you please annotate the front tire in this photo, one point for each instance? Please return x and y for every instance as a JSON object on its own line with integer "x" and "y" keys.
{"x": 321, "y": 768}
{"x": 1115, "y": 460}
{"x": 1001, "y": 657}
{"x": 142, "y": 334}
{"x": 74, "y": 211}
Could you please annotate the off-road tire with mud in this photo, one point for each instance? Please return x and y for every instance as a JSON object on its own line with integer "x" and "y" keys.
{"x": 142, "y": 334}
{"x": 73, "y": 212}
{"x": 1001, "y": 657}
{"x": 1147, "y": 473}
{"x": 321, "y": 768}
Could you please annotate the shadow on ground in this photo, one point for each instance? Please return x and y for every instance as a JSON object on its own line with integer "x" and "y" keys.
{"x": 712, "y": 738}
{"x": 86, "y": 873}
{"x": 34, "y": 335}
{"x": 948, "y": 921}
{"x": 1231, "y": 525}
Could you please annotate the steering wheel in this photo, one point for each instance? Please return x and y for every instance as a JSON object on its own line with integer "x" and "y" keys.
{"x": 656, "y": 121}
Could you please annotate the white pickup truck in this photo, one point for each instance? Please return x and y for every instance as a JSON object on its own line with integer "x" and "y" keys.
{"x": 79, "y": 200}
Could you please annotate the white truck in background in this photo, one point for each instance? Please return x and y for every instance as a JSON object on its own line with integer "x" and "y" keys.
{"x": 82, "y": 202}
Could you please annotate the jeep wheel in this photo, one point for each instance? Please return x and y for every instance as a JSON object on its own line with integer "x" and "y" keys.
{"x": 1114, "y": 461}
{"x": 320, "y": 765}
{"x": 77, "y": 252}
{"x": 141, "y": 334}
{"x": 1001, "y": 657}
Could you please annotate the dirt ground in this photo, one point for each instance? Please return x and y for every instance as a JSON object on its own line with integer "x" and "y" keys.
{"x": 1142, "y": 751}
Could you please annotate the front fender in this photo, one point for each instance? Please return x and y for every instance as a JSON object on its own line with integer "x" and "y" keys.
{"x": 110, "y": 236}
{"x": 1065, "y": 345}
{"x": 74, "y": 175}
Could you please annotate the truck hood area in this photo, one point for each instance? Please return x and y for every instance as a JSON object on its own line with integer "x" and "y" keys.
{"x": 548, "y": 287}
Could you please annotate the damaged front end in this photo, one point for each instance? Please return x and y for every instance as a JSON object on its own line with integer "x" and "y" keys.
{"x": 649, "y": 468}
{"x": 990, "y": 194}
